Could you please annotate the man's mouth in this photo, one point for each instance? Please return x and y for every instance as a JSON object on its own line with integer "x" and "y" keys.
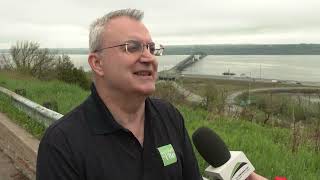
{"x": 143, "y": 73}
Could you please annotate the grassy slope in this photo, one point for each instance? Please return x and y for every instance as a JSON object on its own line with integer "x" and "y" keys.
{"x": 67, "y": 96}
{"x": 20, "y": 118}
{"x": 268, "y": 148}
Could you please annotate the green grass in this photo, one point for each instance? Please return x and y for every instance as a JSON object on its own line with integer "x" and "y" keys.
{"x": 268, "y": 148}
{"x": 67, "y": 96}
{"x": 20, "y": 118}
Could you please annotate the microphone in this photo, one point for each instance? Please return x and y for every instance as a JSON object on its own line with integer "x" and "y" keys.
{"x": 224, "y": 164}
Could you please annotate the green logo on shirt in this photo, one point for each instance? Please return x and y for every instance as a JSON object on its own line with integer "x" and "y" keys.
{"x": 167, "y": 154}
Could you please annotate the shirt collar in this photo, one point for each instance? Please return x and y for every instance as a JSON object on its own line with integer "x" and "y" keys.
{"x": 100, "y": 118}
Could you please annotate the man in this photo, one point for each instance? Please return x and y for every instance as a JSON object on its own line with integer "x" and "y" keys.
{"x": 118, "y": 132}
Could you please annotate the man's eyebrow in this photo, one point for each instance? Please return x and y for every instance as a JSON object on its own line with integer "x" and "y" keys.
{"x": 139, "y": 38}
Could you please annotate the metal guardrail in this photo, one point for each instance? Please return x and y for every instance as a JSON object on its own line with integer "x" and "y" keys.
{"x": 32, "y": 109}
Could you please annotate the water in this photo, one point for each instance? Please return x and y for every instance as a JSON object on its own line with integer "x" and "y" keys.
{"x": 283, "y": 67}
{"x": 80, "y": 60}
{"x": 165, "y": 62}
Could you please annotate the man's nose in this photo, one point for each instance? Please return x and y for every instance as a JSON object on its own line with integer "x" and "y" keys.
{"x": 146, "y": 55}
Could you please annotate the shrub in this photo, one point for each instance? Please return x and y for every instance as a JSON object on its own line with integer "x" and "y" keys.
{"x": 165, "y": 90}
{"x": 214, "y": 98}
{"x": 66, "y": 72}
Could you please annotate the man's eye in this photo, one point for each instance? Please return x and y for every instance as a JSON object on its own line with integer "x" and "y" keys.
{"x": 133, "y": 47}
{"x": 152, "y": 48}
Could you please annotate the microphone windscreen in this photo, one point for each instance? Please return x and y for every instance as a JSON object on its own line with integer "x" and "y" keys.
{"x": 211, "y": 147}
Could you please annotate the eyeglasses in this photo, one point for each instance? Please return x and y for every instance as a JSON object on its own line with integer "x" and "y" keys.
{"x": 135, "y": 47}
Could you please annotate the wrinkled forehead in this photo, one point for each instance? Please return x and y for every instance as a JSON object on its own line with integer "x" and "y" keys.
{"x": 121, "y": 29}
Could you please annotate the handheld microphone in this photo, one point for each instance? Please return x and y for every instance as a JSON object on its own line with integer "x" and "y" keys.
{"x": 224, "y": 165}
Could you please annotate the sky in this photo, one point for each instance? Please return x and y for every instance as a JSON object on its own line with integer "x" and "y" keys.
{"x": 65, "y": 23}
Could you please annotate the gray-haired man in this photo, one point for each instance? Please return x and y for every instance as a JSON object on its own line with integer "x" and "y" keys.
{"x": 118, "y": 132}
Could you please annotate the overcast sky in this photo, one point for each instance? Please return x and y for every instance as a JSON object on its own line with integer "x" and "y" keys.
{"x": 64, "y": 23}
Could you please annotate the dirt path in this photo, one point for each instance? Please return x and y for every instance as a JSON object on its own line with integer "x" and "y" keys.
{"x": 8, "y": 170}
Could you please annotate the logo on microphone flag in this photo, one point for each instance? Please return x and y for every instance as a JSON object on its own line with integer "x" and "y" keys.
{"x": 167, "y": 154}
{"x": 239, "y": 169}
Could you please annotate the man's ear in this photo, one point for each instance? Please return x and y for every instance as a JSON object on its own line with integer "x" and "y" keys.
{"x": 95, "y": 63}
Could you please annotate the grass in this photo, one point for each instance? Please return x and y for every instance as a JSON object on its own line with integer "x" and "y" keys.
{"x": 20, "y": 118}
{"x": 67, "y": 96}
{"x": 268, "y": 148}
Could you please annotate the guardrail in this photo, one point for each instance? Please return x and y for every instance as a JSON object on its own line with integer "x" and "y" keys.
{"x": 32, "y": 109}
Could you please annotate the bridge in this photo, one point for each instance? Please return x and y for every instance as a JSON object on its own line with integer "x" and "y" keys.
{"x": 172, "y": 73}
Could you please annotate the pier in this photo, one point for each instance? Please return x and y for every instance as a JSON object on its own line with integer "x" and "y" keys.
{"x": 172, "y": 73}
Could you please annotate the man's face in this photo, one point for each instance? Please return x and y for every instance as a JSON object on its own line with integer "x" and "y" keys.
{"x": 132, "y": 73}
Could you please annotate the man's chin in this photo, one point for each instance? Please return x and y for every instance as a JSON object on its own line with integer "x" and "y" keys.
{"x": 147, "y": 91}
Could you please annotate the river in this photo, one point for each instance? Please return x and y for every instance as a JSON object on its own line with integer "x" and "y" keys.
{"x": 282, "y": 67}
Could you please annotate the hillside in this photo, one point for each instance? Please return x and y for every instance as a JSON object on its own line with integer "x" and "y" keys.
{"x": 268, "y": 148}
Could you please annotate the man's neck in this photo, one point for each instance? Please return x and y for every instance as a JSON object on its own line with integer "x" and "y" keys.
{"x": 127, "y": 110}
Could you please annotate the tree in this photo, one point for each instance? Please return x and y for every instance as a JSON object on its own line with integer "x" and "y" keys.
{"x": 24, "y": 54}
{"x": 41, "y": 63}
{"x": 5, "y": 62}
{"x": 44, "y": 64}
{"x": 29, "y": 58}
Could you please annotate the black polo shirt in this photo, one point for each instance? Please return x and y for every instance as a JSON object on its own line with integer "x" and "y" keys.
{"x": 88, "y": 144}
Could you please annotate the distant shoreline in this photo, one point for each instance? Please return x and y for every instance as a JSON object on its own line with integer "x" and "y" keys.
{"x": 248, "y": 79}
{"x": 220, "y": 49}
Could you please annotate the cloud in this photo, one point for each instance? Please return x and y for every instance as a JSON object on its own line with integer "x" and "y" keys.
{"x": 64, "y": 23}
